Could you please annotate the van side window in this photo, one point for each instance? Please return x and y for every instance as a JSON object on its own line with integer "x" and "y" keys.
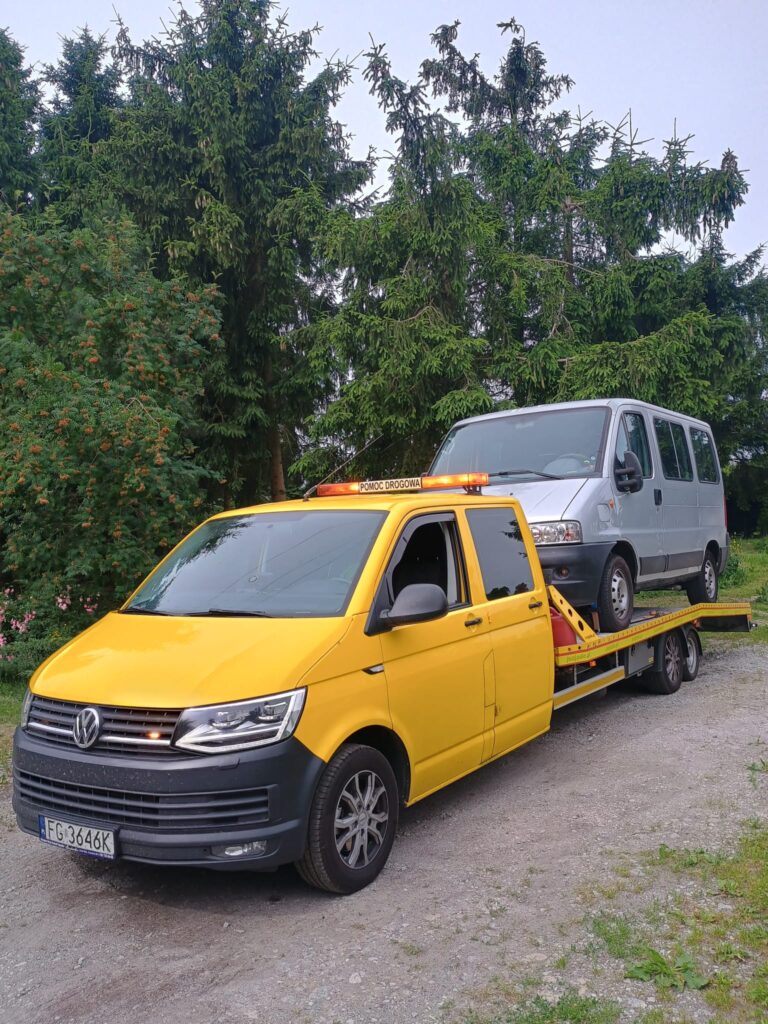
{"x": 432, "y": 555}
{"x": 704, "y": 454}
{"x": 632, "y": 436}
{"x": 501, "y": 552}
{"x": 673, "y": 448}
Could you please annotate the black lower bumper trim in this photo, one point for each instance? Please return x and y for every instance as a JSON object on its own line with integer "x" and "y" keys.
{"x": 575, "y": 569}
{"x": 85, "y": 788}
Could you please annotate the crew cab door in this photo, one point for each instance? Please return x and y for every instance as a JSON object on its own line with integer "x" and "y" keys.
{"x": 435, "y": 670}
{"x": 513, "y": 600}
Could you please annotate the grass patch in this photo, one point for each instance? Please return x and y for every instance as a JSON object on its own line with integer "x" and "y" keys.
{"x": 746, "y": 581}
{"x": 731, "y": 936}
{"x": 11, "y": 696}
{"x": 756, "y": 769}
{"x": 617, "y": 934}
{"x": 570, "y": 1008}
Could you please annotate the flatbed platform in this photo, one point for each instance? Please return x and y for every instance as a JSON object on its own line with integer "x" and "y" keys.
{"x": 597, "y": 660}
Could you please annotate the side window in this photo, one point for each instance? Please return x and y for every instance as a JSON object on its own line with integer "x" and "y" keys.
{"x": 673, "y": 448}
{"x": 682, "y": 452}
{"x": 632, "y": 436}
{"x": 501, "y": 552}
{"x": 431, "y": 555}
{"x": 704, "y": 454}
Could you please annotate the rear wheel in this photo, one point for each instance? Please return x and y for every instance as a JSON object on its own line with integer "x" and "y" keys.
{"x": 352, "y": 822}
{"x": 616, "y": 596}
{"x": 692, "y": 655}
{"x": 670, "y": 657}
{"x": 702, "y": 589}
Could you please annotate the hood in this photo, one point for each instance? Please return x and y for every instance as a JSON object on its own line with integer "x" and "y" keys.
{"x": 541, "y": 499}
{"x": 163, "y": 662}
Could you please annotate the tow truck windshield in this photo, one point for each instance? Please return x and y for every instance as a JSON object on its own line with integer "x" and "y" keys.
{"x": 554, "y": 444}
{"x": 268, "y": 565}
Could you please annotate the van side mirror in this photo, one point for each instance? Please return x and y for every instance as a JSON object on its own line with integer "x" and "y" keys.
{"x": 629, "y": 477}
{"x": 418, "y": 602}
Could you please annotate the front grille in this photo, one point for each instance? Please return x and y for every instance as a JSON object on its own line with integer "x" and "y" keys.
{"x": 172, "y": 812}
{"x": 123, "y": 730}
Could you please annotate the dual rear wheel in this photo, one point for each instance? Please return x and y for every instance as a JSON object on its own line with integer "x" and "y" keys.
{"x": 676, "y": 659}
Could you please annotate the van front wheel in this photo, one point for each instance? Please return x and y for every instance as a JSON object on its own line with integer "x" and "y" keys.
{"x": 616, "y": 596}
{"x": 352, "y": 822}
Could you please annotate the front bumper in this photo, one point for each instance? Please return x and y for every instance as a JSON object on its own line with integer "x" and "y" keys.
{"x": 583, "y": 563}
{"x": 174, "y": 811}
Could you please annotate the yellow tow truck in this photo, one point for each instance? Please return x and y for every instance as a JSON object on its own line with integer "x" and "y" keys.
{"x": 292, "y": 674}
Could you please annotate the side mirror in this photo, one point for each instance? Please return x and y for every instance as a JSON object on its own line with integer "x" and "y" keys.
{"x": 629, "y": 477}
{"x": 418, "y": 602}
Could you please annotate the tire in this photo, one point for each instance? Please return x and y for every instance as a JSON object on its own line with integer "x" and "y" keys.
{"x": 616, "y": 595}
{"x": 669, "y": 662}
{"x": 702, "y": 589}
{"x": 356, "y": 797}
{"x": 692, "y": 653}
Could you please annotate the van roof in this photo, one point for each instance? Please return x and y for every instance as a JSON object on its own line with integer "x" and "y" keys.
{"x": 612, "y": 403}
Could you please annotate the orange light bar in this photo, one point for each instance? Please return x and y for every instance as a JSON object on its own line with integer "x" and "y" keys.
{"x": 430, "y": 483}
{"x": 404, "y": 483}
{"x": 329, "y": 490}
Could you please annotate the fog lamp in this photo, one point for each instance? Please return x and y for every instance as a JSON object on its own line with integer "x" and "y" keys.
{"x": 258, "y": 847}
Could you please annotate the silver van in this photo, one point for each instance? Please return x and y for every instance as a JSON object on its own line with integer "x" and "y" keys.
{"x": 621, "y": 496}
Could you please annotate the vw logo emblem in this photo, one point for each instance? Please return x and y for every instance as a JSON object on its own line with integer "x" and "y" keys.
{"x": 87, "y": 727}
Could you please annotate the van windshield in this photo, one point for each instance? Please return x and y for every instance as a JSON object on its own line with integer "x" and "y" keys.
{"x": 557, "y": 443}
{"x": 271, "y": 565}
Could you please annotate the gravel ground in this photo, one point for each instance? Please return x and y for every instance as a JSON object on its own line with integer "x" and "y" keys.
{"x": 487, "y": 881}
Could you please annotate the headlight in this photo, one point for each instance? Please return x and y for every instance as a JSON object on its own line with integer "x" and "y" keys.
{"x": 26, "y": 705}
{"x": 566, "y": 531}
{"x": 220, "y": 728}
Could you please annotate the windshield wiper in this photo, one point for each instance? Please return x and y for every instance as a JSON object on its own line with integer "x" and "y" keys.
{"x": 519, "y": 472}
{"x": 236, "y": 613}
{"x": 136, "y": 609}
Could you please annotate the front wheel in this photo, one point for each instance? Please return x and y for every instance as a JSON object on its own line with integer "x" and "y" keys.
{"x": 352, "y": 822}
{"x": 616, "y": 596}
{"x": 702, "y": 589}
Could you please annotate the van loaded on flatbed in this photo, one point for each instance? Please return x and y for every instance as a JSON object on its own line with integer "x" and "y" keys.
{"x": 292, "y": 674}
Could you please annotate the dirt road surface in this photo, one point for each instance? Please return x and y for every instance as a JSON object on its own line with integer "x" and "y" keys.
{"x": 483, "y": 881}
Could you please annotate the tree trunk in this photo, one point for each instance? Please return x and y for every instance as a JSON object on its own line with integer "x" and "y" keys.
{"x": 568, "y": 243}
{"x": 276, "y": 471}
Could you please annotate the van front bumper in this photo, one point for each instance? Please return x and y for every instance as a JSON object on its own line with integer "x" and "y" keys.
{"x": 575, "y": 569}
{"x": 174, "y": 810}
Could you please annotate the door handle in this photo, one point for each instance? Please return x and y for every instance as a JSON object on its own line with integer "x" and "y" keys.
{"x": 657, "y": 495}
{"x": 535, "y": 604}
{"x": 472, "y": 622}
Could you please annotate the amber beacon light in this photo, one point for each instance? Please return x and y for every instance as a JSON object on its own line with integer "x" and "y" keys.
{"x": 470, "y": 481}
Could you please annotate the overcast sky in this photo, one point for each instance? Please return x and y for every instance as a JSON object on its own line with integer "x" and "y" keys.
{"x": 701, "y": 62}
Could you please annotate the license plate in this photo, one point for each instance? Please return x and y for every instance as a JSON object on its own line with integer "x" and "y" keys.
{"x": 96, "y": 842}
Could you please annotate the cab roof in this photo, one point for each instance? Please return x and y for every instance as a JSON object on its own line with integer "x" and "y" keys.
{"x": 372, "y": 502}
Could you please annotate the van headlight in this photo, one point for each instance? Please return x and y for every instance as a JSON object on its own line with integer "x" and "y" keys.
{"x": 221, "y": 728}
{"x": 566, "y": 531}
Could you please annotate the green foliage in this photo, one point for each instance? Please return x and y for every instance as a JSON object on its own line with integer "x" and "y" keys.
{"x": 678, "y": 972}
{"x": 102, "y": 370}
{"x": 79, "y": 119}
{"x": 19, "y": 98}
{"x": 570, "y": 1008}
{"x": 519, "y": 256}
{"x": 227, "y": 155}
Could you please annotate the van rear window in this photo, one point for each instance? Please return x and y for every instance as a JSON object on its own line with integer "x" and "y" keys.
{"x": 673, "y": 448}
{"x": 704, "y": 454}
